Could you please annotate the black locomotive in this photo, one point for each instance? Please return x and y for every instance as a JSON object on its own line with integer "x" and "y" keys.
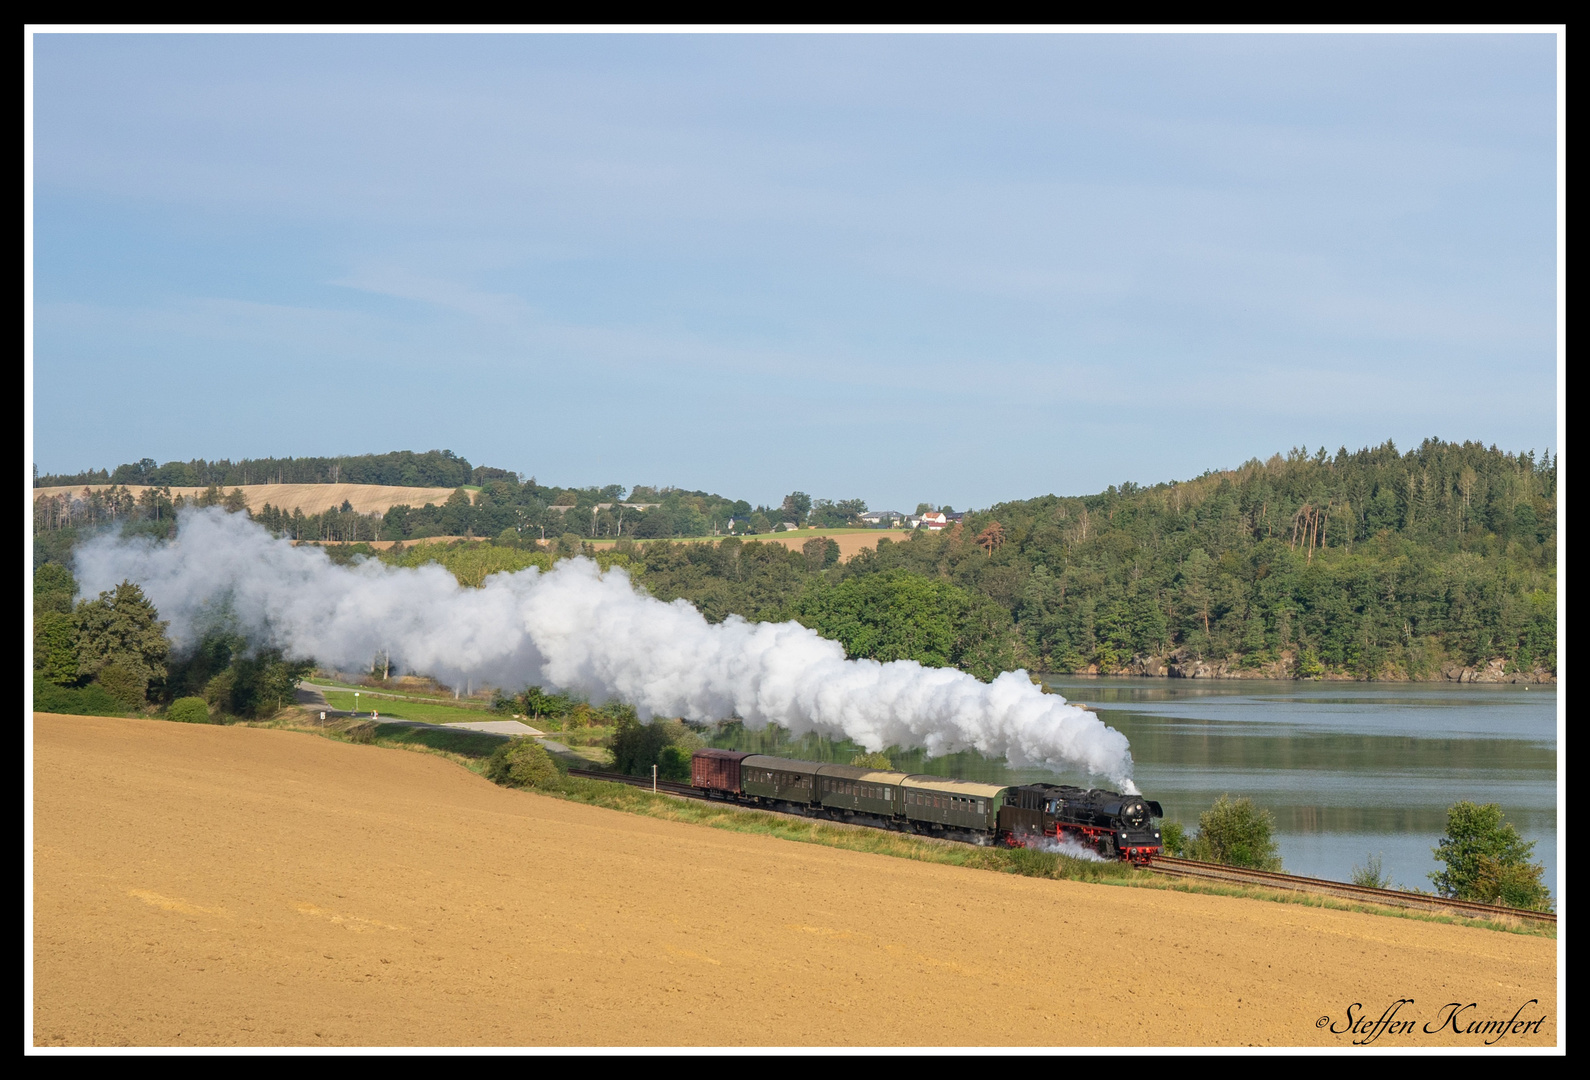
{"x": 1115, "y": 826}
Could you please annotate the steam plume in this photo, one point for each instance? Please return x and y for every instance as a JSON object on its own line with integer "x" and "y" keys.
{"x": 576, "y": 629}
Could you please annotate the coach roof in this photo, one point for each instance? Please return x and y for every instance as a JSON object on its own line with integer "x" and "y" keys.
{"x": 968, "y": 788}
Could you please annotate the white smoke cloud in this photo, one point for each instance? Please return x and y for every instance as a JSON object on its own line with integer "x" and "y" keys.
{"x": 1066, "y": 846}
{"x": 577, "y": 629}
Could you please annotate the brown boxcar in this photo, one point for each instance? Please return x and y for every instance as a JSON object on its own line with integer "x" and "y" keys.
{"x": 717, "y": 770}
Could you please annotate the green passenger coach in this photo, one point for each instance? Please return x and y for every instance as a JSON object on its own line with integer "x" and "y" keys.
{"x": 933, "y": 805}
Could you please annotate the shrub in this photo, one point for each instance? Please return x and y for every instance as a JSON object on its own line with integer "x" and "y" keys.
{"x": 1486, "y": 860}
{"x": 637, "y": 747}
{"x": 364, "y": 733}
{"x": 1237, "y": 833}
{"x": 91, "y": 700}
{"x": 522, "y": 763}
{"x": 189, "y": 710}
{"x": 673, "y": 763}
{"x": 1173, "y": 835}
{"x": 1372, "y": 874}
{"x": 1515, "y": 885}
{"x": 128, "y": 687}
{"x": 877, "y": 760}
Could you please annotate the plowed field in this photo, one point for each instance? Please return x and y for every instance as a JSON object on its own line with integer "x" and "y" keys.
{"x": 200, "y": 885}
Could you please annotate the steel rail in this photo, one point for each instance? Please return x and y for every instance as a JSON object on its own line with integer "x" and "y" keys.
{"x": 1189, "y": 868}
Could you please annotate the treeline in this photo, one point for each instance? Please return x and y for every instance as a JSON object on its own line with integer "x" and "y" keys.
{"x": 403, "y": 468}
{"x": 487, "y": 502}
{"x": 1375, "y": 564}
{"x": 110, "y": 655}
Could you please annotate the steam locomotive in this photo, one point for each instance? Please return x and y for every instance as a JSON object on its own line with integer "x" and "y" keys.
{"x": 1115, "y": 826}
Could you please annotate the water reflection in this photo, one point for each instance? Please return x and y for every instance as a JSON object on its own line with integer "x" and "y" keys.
{"x": 1348, "y": 770}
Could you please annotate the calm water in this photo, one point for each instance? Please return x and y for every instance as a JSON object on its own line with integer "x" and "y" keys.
{"x": 1348, "y": 769}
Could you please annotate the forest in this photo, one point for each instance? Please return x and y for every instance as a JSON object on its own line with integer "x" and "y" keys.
{"x": 1375, "y": 564}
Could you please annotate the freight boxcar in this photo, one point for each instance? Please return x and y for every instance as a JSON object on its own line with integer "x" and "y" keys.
{"x": 717, "y": 771}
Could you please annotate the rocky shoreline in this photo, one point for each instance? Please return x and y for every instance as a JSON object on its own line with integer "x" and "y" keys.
{"x": 1184, "y": 667}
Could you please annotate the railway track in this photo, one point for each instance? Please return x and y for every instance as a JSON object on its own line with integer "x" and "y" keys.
{"x": 664, "y": 787}
{"x": 1187, "y": 868}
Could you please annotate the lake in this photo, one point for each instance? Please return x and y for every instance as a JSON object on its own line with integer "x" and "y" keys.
{"x": 1348, "y": 769}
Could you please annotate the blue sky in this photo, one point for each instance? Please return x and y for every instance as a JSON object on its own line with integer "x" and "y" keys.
{"x": 945, "y": 268}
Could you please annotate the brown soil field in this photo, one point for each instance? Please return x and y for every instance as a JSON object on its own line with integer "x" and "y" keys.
{"x": 310, "y": 498}
{"x": 197, "y": 885}
{"x": 849, "y": 543}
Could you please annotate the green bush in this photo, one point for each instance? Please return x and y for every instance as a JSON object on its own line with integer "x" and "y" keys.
{"x": 130, "y": 688}
{"x": 878, "y": 760}
{"x": 1486, "y": 860}
{"x": 91, "y": 700}
{"x": 1513, "y": 884}
{"x": 1372, "y": 874}
{"x": 1173, "y": 835}
{"x": 189, "y": 710}
{"x": 1236, "y": 833}
{"x": 673, "y": 763}
{"x": 522, "y": 763}
{"x": 637, "y": 747}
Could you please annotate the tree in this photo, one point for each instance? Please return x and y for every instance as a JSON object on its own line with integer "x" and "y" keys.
{"x": 1486, "y": 861}
{"x": 522, "y": 763}
{"x": 54, "y": 628}
{"x": 889, "y": 616}
{"x": 991, "y": 538}
{"x": 821, "y": 552}
{"x": 797, "y": 504}
{"x": 1237, "y": 833}
{"x": 122, "y": 629}
{"x": 637, "y": 747}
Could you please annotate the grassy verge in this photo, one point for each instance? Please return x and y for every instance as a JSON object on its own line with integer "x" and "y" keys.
{"x": 471, "y": 749}
{"x": 435, "y": 698}
{"x": 423, "y": 711}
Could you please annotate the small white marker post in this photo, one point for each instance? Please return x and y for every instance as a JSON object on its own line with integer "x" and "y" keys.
{"x": 654, "y": 779}
{"x": 356, "y": 703}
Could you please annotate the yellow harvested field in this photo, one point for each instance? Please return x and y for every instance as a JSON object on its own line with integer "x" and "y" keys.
{"x": 382, "y": 545}
{"x": 197, "y": 885}
{"x": 849, "y": 543}
{"x": 310, "y": 498}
